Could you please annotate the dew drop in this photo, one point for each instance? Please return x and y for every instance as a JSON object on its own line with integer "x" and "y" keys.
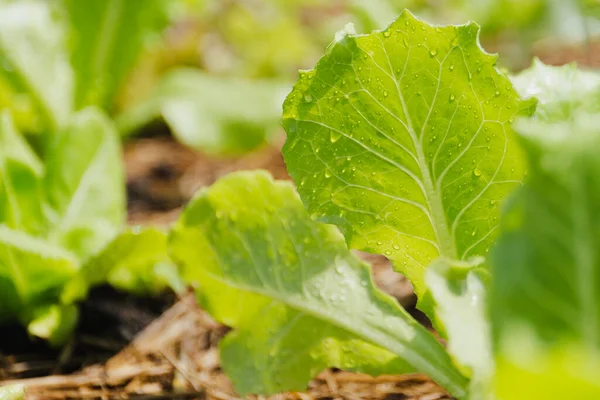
{"x": 308, "y": 98}
{"x": 386, "y": 34}
{"x": 433, "y": 53}
{"x": 327, "y": 174}
{"x": 334, "y": 136}
{"x": 386, "y": 93}
{"x": 477, "y": 172}
{"x": 452, "y": 98}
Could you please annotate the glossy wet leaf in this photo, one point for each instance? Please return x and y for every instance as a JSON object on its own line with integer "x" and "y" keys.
{"x": 84, "y": 184}
{"x": 298, "y": 301}
{"x": 460, "y": 292}
{"x": 403, "y": 139}
{"x": 107, "y": 38}
{"x": 212, "y": 114}
{"x": 547, "y": 266}
{"x": 34, "y": 53}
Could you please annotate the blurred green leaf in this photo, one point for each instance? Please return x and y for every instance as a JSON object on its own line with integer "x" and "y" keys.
{"x": 402, "y": 138}
{"x": 54, "y": 323}
{"x": 13, "y": 392}
{"x": 460, "y": 293}
{"x": 547, "y": 261}
{"x": 21, "y": 171}
{"x": 212, "y": 114}
{"x": 298, "y": 300}
{"x": 34, "y": 57}
{"x": 108, "y": 38}
{"x": 84, "y": 184}
{"x": 32, "y": 273}
{"x": 561, "y": 91}
{"x": 127, "y": 263}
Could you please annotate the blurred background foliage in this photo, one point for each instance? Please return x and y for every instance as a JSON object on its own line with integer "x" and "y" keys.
{"x": 216, "y": 71}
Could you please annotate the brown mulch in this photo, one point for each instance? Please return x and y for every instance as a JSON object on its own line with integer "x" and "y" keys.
{"x": 176, "y": 357}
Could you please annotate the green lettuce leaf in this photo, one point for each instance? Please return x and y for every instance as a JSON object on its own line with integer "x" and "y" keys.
{"x": 297, "y": 299}
{"x": 215, "y": 115}
{"x": 21, "y": 171}
{"x": 546, "y": 266}
{"x": 13, "y": 392}
{"x": 561, "y": 91}
{"x": 460, "y": 292}
{"x": 130, "y": 262}
{"x": 403, "y": 139}
{"x": 84, "y": 184}
{"x": 54, "y": 322}
{"x": 54, "y": 217}
{"x": 108, "y": 38}
{"x": 32, "y": 273}
{"x": 32, "y": 44}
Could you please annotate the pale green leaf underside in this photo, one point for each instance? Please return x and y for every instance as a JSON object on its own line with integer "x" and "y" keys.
{"x": 297, "y": 299}
{"x": 402, "y": 138}
{"x": 460, "y": 296}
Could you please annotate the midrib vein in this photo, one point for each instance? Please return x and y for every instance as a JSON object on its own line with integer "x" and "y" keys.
{"x": 439, "y": 224}
{"x": 446, "y": 242}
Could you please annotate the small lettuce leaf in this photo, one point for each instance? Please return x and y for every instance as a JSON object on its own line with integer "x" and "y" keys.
{"x": 297, "y": 299}
{"x": 108, "y": 36}
{"x": 403, "y": 139}
{"x": 215, "y": 115}
{"x": 546, "y": 266}
{"x": 84, "y": 184}
{"x": 460, "y": 291}
{"x": 33, "y": 46}
{"x": 21, "y": 171}
{"x": 129, "y": 263}
{"x": 561, "y": 91}
{"x": 32, "y": 273}
{"x": 12, "y": 392}
{"x": 54, "y": 322}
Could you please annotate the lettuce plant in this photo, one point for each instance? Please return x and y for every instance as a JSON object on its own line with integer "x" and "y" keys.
{"x": 410, "y": 141}
{"x": 61, "y": 223}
